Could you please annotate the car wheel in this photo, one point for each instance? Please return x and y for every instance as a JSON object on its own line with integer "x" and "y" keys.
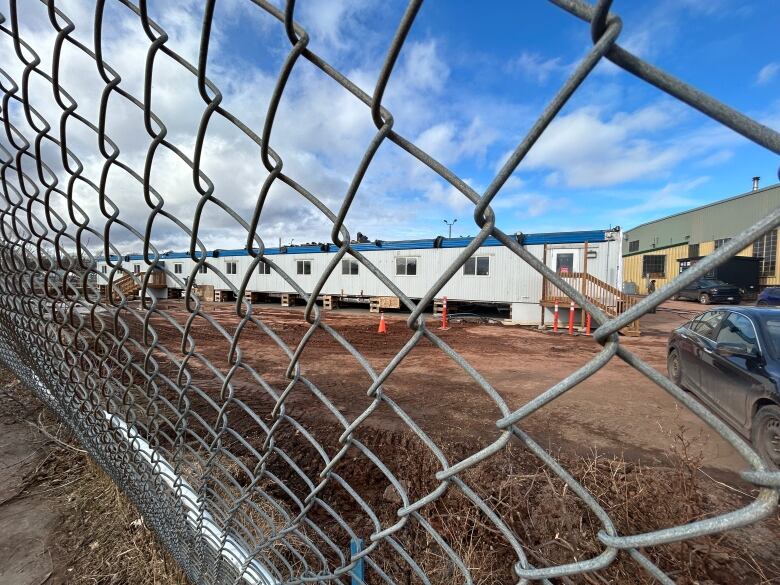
{"x": 765, "y": 434}
{"x": 704, "y": 299}
{"x": 674, "y": 367}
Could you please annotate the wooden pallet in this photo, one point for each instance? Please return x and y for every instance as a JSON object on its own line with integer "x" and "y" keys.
{"x": 288, "y": 299}
{"x": 223, "y": 296}
{"x": 438, "y": 304}
{"x": 330, "y": 302}
{"x": 376, "y": 304}
{"x": 252, "y": 296}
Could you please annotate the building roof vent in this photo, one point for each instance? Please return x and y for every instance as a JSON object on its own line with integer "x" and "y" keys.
{"x": 755, "y": 183}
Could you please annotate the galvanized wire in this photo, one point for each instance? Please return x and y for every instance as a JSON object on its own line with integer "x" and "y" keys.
{"x": 132, "y": 401}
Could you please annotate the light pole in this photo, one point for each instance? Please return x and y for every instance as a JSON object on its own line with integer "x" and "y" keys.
{"x": 449, "y": 225}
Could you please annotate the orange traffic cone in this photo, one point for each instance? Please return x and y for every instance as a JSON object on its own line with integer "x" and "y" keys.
{"x": 382, "y": 324}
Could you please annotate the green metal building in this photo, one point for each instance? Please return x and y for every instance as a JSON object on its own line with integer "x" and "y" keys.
{"x": 652, "y": 250}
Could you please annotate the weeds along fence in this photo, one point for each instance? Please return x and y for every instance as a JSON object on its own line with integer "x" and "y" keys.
{"x": 242, "y": 492}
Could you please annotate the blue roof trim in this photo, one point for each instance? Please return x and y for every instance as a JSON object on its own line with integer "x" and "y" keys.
{"x": 594, "y": 236}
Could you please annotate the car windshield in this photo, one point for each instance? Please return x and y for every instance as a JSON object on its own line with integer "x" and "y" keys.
{"x": 708, "y": 282}
{"x": 771, "y": 326}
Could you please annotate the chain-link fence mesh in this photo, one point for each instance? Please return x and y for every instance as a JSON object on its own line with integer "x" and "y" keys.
{"x": 226, "y": 485}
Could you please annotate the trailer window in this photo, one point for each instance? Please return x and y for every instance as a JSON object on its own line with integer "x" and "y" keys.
{"x": 104, "y": 268}
{"x": 633, "y": 246}
{"x": 136, "y": 269}
{"x": 349, "y": 266}
{"x": 232, "y": 267}
{"x": 264, "y": 268}
{"x": 405, "y": 266}
{"x": 203, "y": 269}
{"x": 304, "y": 267}
{"x": 477, "y": 266}
{"x": 178, "y": 269}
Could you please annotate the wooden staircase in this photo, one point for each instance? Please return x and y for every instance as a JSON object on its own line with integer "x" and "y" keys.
{"x": 129, "y": 284}
{"x": 605, "y": 296}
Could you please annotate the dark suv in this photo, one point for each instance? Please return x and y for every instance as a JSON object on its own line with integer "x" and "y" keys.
{"x": 710, "y": 290}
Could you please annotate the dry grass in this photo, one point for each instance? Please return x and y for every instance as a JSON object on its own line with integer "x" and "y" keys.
{"x": 105, "y": 541}
{"x": 111, "y": 542}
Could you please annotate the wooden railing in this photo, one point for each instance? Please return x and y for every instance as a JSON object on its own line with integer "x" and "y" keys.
{"x": 608, "y": 298}
{"x": 157, "y": 279}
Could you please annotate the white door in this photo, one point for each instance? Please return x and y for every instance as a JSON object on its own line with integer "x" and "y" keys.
{"x": 565, "y": 260}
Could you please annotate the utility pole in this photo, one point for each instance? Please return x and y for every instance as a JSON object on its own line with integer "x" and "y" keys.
{"x": 449, "y": 225}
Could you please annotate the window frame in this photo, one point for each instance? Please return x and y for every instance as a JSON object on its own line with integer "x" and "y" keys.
{"x": 136, "y": 269}
{"x": 231, "y": 267}
{"x": 647, "y": 273}
{"x": 475, "y": 261}
{"x": 716, "y": 329}
{"x": 178, "y": 268}
{"x": 350, "y": 267}
{"x": 720, "y": 242}
{"x": 301, "y": 265}
{"x": 633, "y": 246}
{"x": 263, "y": 268}
{"x": 104, "y": 269}
{"x": 203, "y": 269}
{"x": 752, "y": 325}
{"x": 765, "y": 248}
{"x": 406, "y": 261}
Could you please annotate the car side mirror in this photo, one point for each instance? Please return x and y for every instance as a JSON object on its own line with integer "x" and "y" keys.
{"x": 735, "y": 350}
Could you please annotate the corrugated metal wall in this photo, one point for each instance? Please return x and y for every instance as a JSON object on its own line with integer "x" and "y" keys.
{"x": 722, "y": 219}
{"x": 632, "y": 265}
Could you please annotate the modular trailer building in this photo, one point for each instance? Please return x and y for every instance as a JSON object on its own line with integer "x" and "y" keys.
{"x": 495, "y": 276}
{"x": 657, "y": 249}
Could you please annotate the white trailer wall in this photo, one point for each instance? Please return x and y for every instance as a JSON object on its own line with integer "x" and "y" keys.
{"x": 510, "y": 279}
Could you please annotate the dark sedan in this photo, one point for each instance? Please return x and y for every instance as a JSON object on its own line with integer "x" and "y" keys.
{"x": 710, "y": 290}
{"x": 730, "y": 358}
{"x": 769, "y": 297}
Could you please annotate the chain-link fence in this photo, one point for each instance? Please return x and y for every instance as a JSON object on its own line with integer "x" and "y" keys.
{"x": 244, "y": 491}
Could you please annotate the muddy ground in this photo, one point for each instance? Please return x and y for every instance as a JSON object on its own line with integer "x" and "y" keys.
{"x": 616, "y": 412}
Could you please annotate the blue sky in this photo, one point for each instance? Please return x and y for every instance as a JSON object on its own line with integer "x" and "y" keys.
{"x": 469, "y": 83}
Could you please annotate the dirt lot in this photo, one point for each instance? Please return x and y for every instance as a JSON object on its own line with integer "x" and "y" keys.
{"x": 649, "y": 463}
{"x": 615, "y": 412}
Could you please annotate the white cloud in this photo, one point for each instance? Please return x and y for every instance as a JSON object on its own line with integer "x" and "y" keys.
{"x": 767, "y": 73}
{"x": 716, "y": 158}
{"x": 672, "y": 196}
{"x": 528, "y": 205}
{"x": 588, "y": 148}
{"x": 321, "y": 131}
{"x": 535, "y": 67}
{"x": 448, "y": 142}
